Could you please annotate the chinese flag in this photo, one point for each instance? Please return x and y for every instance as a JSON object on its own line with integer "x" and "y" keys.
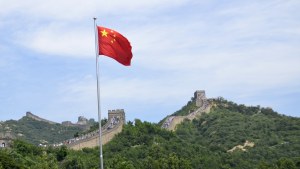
{"x": 114, "y": 45}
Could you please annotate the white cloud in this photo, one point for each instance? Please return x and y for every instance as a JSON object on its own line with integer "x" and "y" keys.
{"x": 79, "y": 9}
{"x": 112, "y": 89}
{"x": 59, "y": 40}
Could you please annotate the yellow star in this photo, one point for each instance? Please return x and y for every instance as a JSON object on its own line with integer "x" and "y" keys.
{"x": 112, "y": 41}
{"x": 104, "y": 33}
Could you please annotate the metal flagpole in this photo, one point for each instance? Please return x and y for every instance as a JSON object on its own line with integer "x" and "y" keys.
{"x": 98, "y": 92}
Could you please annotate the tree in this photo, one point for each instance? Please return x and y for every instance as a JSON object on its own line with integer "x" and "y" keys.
{"x": 264, "y": 165}
{"x": 62, "y": 153}
{"x": 7, "y": 162}
{"x": 25, "y": 148}
{"x": 76, "y": 134}
{"x": 285, "y": 163}
{"x": 73, "y": 163}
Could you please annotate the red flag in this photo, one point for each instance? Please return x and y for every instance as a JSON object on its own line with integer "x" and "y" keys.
{"x": 114, "y": 45}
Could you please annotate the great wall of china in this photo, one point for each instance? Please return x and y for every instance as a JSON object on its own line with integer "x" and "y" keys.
{"x": 37, "y": 118}
{"x": 116, "y": 120}
{"x": 114, "y": 125}
{"x": 203, "y": 107}
{"x": 82, "y": 121}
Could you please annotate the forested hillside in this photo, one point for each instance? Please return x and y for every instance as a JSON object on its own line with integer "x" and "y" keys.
{"x": 204, "y": 143}
{"x": 38, "y": 132}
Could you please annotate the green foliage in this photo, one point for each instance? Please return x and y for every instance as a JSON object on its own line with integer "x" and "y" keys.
{"x": 7, "y": 161}
{"x": 73, "y": 163}
{"x": 282, "y": 163}
{"x": 185, "y": 110}
{"x": 285, "y": 163}
{"x": 38, "y": 132}
{"x": 25, "y": 148}
{"x": 144, "y": 145}
{"x": 24, "y": 155}
{"x": 61, "y": 153}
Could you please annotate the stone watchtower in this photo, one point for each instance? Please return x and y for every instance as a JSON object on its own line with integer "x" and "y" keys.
{"x": 6, "y": 139}
{"x": 200, "y": 98}
{"x": 118, "y": 114}
{"x": 82, "y": 120}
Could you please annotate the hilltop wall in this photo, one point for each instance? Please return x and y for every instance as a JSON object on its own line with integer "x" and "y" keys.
{"x": 82, "y": 121}
{"x": 37, "y": 118}
{"x": 204, "y": 107}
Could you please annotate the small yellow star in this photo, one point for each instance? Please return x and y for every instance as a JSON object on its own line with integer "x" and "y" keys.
{"x": 112, "y": 41}
{"x": 104, "y": 33}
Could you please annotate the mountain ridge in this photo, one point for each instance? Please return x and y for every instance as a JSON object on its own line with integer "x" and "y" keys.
{"x": 37, "y": 130}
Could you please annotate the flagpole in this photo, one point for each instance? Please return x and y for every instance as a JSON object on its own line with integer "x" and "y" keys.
{"x": 98, "y": 92}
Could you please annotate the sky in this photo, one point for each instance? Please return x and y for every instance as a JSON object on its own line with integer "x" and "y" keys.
{"x": 245, "y": 51}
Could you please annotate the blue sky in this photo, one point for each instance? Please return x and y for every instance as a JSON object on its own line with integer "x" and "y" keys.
{"x": 244, "y": 51}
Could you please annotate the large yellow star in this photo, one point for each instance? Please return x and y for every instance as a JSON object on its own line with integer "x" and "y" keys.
{"x": 104, "y": 33}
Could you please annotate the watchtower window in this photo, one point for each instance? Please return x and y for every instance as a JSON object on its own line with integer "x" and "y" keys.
{"x": 3, "y": 145}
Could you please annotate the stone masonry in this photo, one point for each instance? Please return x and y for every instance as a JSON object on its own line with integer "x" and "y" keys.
{"x": 200, "y": 97}
{"x": 114, "y": 125}
{"x": 6, "y": 139}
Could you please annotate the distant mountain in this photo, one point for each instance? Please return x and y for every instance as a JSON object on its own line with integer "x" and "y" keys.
{"x": 37, "y": 130}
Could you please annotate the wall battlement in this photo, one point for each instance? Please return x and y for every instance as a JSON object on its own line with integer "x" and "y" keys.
{"x": 116, "y": 113}
{"x": 114, "y": 125}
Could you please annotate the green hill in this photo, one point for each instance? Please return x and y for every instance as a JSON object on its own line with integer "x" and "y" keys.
{"x": 38, "y": 132}
{"x": 205, "y": 143}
